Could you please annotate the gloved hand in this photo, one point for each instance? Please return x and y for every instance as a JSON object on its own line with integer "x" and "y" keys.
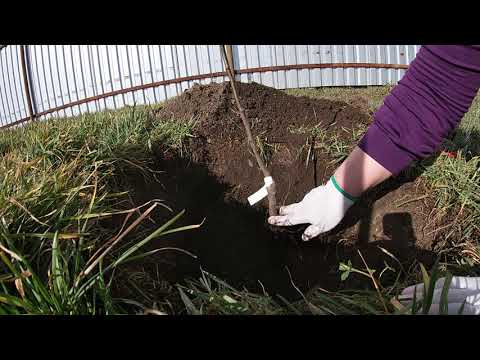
{"x": 461, "y": 289}
{"x": 323, "y": 207}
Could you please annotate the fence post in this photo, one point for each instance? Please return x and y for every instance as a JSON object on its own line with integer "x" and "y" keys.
{"x": 26, "y": 82}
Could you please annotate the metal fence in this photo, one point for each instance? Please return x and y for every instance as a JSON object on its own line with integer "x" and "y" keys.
{"x": 40, "y": 81}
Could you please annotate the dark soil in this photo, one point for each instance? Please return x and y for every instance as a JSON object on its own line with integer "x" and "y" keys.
{"x": 235, "y": 242}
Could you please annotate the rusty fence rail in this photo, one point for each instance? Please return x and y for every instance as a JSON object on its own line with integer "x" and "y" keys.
{"x": 41, "y": 81}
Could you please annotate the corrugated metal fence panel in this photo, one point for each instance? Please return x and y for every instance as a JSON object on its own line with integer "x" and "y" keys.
{"x": 251, "y": 56}
{"x": 65, "y": 73}
{"x": 62, "y": 74}
{"x": 12, "y": 95}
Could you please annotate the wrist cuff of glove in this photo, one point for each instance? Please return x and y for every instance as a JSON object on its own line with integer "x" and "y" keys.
{"x": 343, "y": 192}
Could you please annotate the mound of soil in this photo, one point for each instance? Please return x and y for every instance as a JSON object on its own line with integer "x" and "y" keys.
{"x": 274, "y": 117}
{"x": 213, "y": 182}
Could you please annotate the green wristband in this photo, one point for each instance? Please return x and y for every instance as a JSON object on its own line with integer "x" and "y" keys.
{"x": 343, "y": 192}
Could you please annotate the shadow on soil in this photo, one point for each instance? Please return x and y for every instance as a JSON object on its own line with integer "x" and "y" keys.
{"x": 236, "y": 244}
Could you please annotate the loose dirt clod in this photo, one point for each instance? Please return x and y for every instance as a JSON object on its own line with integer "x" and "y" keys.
{"x": 214, "y": 180}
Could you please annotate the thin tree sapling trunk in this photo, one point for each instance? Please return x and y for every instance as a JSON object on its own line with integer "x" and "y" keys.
{"x": 272, "y": 201}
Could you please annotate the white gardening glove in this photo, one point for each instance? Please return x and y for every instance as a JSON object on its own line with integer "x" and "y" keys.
{"x": 461, "y": 289}
{"x": 323, "y": 207}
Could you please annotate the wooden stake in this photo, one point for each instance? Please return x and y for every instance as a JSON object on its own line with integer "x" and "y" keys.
{"x": 272, "y": 201}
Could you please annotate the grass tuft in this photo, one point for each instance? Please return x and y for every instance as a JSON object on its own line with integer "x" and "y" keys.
{"x": 56, "y": 257}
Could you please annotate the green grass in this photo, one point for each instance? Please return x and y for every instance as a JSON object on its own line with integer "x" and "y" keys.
{"x": 210, "y": 295}
{"x": 456, "y": 188}
{"x": 265, "y": 149}
{"x": 55, "y": 256}
{"x": 454, "y": 184}
{"x": 337, "y": 145}
{"x": 368, "y": 98}
{"x": 173, "y": 133}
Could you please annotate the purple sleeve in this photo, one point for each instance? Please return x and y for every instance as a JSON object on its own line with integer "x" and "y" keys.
{"x": 426, "y": 104}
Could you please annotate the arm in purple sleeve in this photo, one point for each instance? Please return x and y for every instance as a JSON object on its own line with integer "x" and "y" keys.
{"x": 430, "y": 100}
{"x": 424, "y": 107}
